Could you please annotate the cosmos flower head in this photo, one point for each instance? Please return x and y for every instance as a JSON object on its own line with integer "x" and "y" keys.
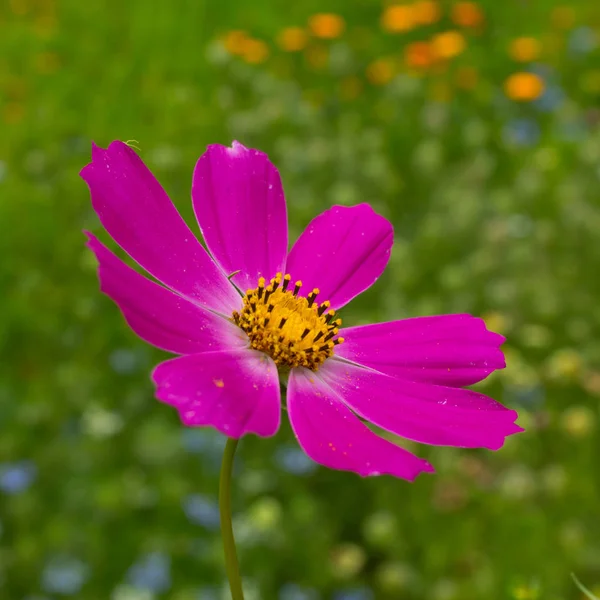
{"x": 251, "y": 321}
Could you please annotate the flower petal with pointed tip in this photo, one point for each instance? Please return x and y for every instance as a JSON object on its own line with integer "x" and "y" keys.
{"x": 342, "y": 252}
{"x": 158, "y": 315}
{"x": 454, "y": 350}
{"x": 140, "y": 217}
{"x": 235, "y": 391}
{"x": 240, "y": 207}
{"x": 430, "y": 414}
{"x": 334, "y": 437}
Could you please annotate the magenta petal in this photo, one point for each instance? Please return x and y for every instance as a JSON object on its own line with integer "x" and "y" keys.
{"x": 239, "y": 203}
{"x": 332, "y": 436}
{"x": 141, "y": 218}
{"x": 454, "y": 350}
{"x": 422, "y": 412}
{"x": 158, "y": 315}
{"x": 236, "y": 392}
{"x": 341, "y": 252}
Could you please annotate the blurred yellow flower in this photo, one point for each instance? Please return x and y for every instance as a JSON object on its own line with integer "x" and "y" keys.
{"x": 347, "y": 560}
{"x": 327, "y": 26}
{"x": 398, "y": 18}
{"x": 255, "y": 51}
{"x": 523, "y": 87}
{"x": 578, "y": 421}
{"x": 426, "y": 12}
{"x": 234, "y": 41}
{"x": 467, "y": 14}
{"x": 418, "y": 55}
{"x": 380, "y": 71}
{"x": 524, "y": 49}
{"x": 448, "y": 44}
{"x": 265, "y": 514}
{"x": 525, "y": 592}
{"x": 563, "y": 17}
{"x": 292, "y": 39}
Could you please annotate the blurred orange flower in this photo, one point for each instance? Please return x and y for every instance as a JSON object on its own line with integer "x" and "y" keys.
{"x": 426, "y": 12}
{"x": 255, "y": 51}
{"x": 292, "y": 39}
{"x": 523, "y": 86}
{"x": 467, "y": 14}
{"x": 398, "y": 18}
{"x": 524, "y": 49}
{"x": 419, "y": 55}
{"x": 326, "y": 25}
{"x": 448, "y": 44}
{"x": 235, "y": 40}
{"x": 381, "y": 71}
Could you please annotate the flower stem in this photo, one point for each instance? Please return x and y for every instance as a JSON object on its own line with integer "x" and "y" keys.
{"x": 231, "y": 560}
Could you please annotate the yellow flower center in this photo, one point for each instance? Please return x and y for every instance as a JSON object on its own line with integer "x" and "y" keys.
{"x": 293, "y": 330}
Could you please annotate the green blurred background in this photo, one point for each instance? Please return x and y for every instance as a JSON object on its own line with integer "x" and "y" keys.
{"x": 474, "y": 127}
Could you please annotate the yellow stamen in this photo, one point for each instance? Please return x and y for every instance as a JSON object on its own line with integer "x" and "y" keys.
{"x": 295, "y": 331}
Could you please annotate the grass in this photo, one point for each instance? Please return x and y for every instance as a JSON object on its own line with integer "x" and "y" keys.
{"x": 496, "y": 209}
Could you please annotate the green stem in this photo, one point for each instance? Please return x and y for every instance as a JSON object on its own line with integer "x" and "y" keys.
{"x": 231, "y": 560}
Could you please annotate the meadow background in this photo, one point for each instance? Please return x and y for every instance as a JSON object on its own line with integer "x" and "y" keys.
{"x": 474, "y": 127}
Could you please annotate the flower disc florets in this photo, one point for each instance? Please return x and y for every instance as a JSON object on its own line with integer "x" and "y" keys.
{"x": 293, "y": 330}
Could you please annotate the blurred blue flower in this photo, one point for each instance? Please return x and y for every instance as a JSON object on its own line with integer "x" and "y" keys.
{"x": 551, "y": 99}
{"x": 202, "y": 510}
{"x": 64, "y": 575}
{"x": 362, "y": 593}
{"x": 152, "y": 572}
{"x": 292, "y": 591}
{"x": 201, "y": 440}
{"x": 294, "y": 461}
{"x": 530, "y": 397}
{"x": 582, "y": 40}
{"x": 17, "y": 477}
{"x": 207, "y": 443}
{"x": 521, "y": 132}
{"x": 124, "y": 361}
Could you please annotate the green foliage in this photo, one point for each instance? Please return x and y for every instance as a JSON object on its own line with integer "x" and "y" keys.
{"x": 496, "y": 208}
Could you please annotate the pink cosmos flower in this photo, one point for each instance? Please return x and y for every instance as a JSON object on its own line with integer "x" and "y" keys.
{"x": 250, "y": 315}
